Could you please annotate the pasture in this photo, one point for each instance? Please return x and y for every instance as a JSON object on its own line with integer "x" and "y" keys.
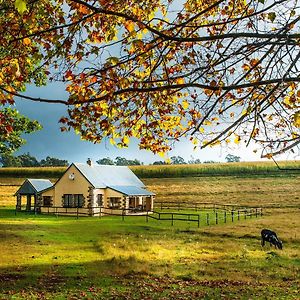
{"x": 44, "y": 257}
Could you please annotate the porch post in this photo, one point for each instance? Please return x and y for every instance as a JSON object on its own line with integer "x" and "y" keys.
{"x": 28, "y": 203}
{"x": 19, "y": 203}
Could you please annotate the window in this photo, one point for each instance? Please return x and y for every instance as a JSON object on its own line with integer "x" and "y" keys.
{"x": 100, "y": 200}
{"x": 73, "y": 200}
{"x": 68, "y": 200}
{"x": 78, "y": 200}
{"x": 47, "y": 201}
{"x": 114, "y": 202}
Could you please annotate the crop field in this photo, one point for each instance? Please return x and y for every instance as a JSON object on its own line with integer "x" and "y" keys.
{"x": 44, "y": 257}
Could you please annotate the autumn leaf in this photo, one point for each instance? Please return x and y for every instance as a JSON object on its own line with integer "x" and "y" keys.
{"x": 185, "y": 104}
{"x": 21, "y": 6}
{"x": 297, "y": 119}
{"x": 237, "y": 139}
{"x": 26, "y": 41}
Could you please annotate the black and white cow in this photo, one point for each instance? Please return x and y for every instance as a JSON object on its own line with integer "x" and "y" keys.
{"x": 271, "y": 237}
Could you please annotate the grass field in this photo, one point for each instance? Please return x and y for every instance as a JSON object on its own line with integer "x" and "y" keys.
{"x": 44, "y": 257}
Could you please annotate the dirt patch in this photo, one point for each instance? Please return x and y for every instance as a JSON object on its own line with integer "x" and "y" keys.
{"x": 10, "y": 277}
{"x": 51, "y": 280}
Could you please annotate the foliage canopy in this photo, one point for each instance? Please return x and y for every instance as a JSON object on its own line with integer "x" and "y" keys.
{"x": 216, "y": 71}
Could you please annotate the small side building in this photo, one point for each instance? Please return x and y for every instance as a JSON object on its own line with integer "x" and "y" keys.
{"x": 94, "y": 190}
{"x": 31, "y": 189}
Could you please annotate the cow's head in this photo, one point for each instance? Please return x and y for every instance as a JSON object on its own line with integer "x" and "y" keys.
{"x": 279, "y": 244}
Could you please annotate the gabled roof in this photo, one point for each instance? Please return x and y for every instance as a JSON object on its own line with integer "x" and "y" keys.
{"x": 102, "y": 176}
{"x": 132, "y": 190}
{"x": 34, "y": 186}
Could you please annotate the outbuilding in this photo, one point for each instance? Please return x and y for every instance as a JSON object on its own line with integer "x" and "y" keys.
{"x": 31, "y": 189}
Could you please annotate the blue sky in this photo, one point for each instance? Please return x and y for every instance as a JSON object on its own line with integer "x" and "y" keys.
{"x": 51, "y": 142}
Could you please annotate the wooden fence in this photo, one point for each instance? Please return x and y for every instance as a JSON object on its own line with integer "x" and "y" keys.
{"x": 216, "y": 216}
{"x": 196, "y": 206}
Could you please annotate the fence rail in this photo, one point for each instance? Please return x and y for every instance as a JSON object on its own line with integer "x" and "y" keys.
{"x": 198, "y": 206}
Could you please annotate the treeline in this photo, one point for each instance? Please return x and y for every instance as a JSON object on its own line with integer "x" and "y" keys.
{"x": 174, "y": 160}
{"x": 27, "y": 160}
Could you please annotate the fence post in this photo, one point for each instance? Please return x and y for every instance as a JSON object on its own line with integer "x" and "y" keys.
{"x": 100, "y": 212}
{"x": 225, "y": 215}
{"x": 238, "y": 215}
{"x": 147, "y": 216}
{"x": 207, "y": 218}
{"x": 122, "y": 214}
{"x": 216, "y": 218}
{"x": 232, "y": 215}
{"x": 198, "y": 221}
{"x": 77, "y": 212}
{"x": 261, "y": 212}
{"x": 172, "y": 219}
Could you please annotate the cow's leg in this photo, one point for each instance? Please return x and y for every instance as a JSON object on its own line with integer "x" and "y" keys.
{"x": 262, "y": 242}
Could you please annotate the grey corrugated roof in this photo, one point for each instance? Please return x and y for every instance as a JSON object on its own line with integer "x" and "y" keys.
{"x": 132, "y": 190}
{"x": 33, "y": 186}
{"x": 102, "y": 176}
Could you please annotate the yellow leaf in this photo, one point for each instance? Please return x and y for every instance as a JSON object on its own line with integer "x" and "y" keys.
{"x": 20, "y": 5}
{"x": 297, "y": 119}
{"x": 126, "y": 140}
{"x": 201, "y": 129}
{"x": 207, "y": 122}
{"x": 112, "y": 141}
{"x": 129, "y": 25}
{"x": 180, "y": 81}
{"x": 237, "y": 139}
{"x": 161, "y": 154}
{"x": 185, "y": 104}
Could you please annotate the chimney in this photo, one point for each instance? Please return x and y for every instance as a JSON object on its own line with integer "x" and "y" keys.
{"x": 89, "y": 162}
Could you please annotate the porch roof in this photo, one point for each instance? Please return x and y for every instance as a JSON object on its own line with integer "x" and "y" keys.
{"x": 130, "y": 190}
{"x": 33, "y": 186}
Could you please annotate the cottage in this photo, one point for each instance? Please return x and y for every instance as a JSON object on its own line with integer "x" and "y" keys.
{"x": 95, "y": 190}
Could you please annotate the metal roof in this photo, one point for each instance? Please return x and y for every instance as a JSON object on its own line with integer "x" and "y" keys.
{"x": 102, "y": 176}
{"x": 34, "y": 186}
{"x": 132, "y": 190}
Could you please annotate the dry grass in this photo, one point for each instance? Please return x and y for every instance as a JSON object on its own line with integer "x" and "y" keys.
{"x": 255, "y": 191}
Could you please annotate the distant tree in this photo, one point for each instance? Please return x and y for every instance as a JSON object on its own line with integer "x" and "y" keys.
{"x": 122, "y": 161}
{"x": 8, "y": 160}
{"x": 194, "y": 161}
{"x": 177, "y": 160}
{"x": 105, "y": 161}
{"x": 53, "y": 162}
{"x": 210, "y": 162}
{"x": 159, "y": 162}
{"x": 134, "y": 162}
{"x": 232, "y": 158}
{"x": 27, "y": 160}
